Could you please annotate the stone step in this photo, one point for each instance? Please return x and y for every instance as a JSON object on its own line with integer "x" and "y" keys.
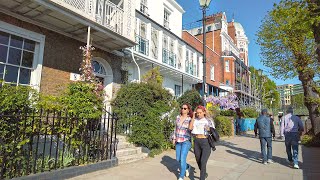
{"x": 128, "y": 151}
{"x": 124, "y": 145}
{"x": 132, "y": 158}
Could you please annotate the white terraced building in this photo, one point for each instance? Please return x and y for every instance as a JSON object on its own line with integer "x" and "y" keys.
{"x": 158, "y": 34}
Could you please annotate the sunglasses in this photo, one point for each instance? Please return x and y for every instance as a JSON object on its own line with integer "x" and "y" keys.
{"x": 184, "y": 108}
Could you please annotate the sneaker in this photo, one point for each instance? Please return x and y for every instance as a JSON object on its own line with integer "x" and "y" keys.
{"x": 265, "y": 163}
{"x": 296, "y": 166}
{"x": 188, "y": 171}
{"x": 270, "y": 161}
{"x": 180, "y": 179}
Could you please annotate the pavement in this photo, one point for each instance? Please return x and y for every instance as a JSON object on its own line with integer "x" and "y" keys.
{"x": 236, "y": 158}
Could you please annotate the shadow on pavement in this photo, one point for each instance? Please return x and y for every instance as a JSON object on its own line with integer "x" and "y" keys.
{"x": 173, "y": 166}
{"x": 310, "y": 165}
{"x": 252, "y": 155}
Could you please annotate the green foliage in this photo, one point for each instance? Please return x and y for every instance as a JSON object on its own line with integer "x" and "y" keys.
{"x": 14, "y": 99}
{"x": 143, "y": 105}
{"x": 287, "y": 40}
{"x": 153, "y": 76}
{"x": 223, "y": 125}
{"x": 192, "y": 97}
{"x": 213, "y": 111}
{"x": 249, "y": 113}
{"x": 267, "y": 88}
{"x": 81, "y": 99}
{"x": 311, "y": 140}
{"x": 230, "y": 113}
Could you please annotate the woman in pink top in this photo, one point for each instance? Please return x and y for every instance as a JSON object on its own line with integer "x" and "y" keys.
{"x": 182, "y": 139}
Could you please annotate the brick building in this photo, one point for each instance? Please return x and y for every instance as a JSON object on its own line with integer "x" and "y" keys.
{"x": 230, "y": 44}
{"x": 214, "y": 64}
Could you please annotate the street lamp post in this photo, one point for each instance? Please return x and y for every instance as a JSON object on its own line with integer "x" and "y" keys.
{"x": 204, "y": 5}
{"x": 260, "y": 75}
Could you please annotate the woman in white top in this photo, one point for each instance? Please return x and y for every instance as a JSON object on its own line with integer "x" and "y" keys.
{"x": 200, "y": 127}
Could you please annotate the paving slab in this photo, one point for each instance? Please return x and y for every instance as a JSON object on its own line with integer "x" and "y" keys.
{"x": 235, "y": 158}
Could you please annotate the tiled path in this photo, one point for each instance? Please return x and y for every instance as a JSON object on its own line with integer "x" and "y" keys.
{"x": 235, "y": 158}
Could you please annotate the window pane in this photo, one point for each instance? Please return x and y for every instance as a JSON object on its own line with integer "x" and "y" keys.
{"x": 3, "y": 53}
{"x": 27, "y": 59}
{"x": 95, "y": 66}
{"x": 11, "y": 74}
{"x": 29, "y": 45}
{"x": 14, "y": 56}
{"x": 1, "y": 71}
{"x": 16, "y": 41}
{"x": 25, "y": 75}
{"x": 4, "y": 38}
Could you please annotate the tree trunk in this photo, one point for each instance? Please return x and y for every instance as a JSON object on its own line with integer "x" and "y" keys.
{"x": 309, "y": 93}
{"x": 314, "y": 7}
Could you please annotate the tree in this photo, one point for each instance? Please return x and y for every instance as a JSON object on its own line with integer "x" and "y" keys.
{"x": 314, "y": 8}
{"x": 270, "y": 95}
{"x": 288, "y": 48}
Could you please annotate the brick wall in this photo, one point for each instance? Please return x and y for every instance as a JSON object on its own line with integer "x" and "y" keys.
{"x": 62, "y": 56}
{"x": 212, "y": 58}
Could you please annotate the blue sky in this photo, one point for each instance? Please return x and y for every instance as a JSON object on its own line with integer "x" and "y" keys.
{"x": 247, "y": 12}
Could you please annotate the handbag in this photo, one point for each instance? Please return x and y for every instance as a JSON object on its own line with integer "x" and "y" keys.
{"x": 214, "y": 134}
{"x": 212, "y": 138}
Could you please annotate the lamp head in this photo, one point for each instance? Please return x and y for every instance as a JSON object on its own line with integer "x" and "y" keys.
{"x": 260, "y": 72}
{"x": 204, "y": 3}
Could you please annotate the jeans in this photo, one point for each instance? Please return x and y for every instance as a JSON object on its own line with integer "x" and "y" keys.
{"x": 267, "y": 141}
{"x": 202, "y": 151}
{"x": 292, "y": 142}
{"x": 182, "y": 149}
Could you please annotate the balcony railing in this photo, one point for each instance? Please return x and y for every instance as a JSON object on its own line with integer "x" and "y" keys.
{"x": 143, "y": 45}
{"x": 190, "y": 68}
{"x": 169, "y": 58}
{"x": 103, "y": 12}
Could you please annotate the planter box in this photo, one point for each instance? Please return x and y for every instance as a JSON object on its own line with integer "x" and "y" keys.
{"x": 247, "y": 124}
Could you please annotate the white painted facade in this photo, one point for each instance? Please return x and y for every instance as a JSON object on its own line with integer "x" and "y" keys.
{"x": 160, "y": 44}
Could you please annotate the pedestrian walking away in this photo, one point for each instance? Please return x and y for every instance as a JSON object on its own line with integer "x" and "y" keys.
{"x": 200, "y": 126}
{"x": 291, "y": 129}
{"x": 265, "y": 126}
{"x": 182, "y": 139}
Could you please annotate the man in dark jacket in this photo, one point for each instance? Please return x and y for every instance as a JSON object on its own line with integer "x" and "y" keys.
{"x": 266, "y": 130}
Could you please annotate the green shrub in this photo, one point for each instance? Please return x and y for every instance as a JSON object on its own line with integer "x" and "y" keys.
{"x": 223, "y": 125}
{"x": 310, "y": 140}
{"x": 81, "y": 99}
{"x": 250, "y": 113}
{"x": 230, "y": 113}
{"x": 143, "y": 105}
{"x": 192, "y": 97}
{"x": 213, "y": 111}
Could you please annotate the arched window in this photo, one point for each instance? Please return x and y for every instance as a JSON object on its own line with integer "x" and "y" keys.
{"x": 98, "y": 68}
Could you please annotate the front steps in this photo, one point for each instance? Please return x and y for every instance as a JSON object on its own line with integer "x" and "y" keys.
{"x": 127, "y": 152}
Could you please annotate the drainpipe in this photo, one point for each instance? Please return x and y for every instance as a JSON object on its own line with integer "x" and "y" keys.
{"x": 135, "y": 63}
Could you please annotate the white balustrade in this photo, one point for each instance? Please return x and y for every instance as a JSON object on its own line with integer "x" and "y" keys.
{"x": 103, "y": 12}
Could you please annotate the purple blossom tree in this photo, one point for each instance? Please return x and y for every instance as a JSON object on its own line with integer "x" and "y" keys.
{"x": 226, "y": 102}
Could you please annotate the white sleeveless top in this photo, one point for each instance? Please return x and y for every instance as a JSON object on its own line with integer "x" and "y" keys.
{"x": 199, "y": 126}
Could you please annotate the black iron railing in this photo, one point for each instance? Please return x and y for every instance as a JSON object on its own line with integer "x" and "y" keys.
{"x": 38, "y": 141}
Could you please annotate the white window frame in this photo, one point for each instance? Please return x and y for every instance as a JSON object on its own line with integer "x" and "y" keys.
{"x": 35, "y": 78}
{"x": 166, "y": 18}
{"x": 212, "y": 72}
{"x": 227, "y": 65}
{"x": 144, "y": 6}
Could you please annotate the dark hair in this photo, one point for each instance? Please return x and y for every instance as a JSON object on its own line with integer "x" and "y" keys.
{"x": 202, "y": 108}
{"x": 190, "y": 114}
